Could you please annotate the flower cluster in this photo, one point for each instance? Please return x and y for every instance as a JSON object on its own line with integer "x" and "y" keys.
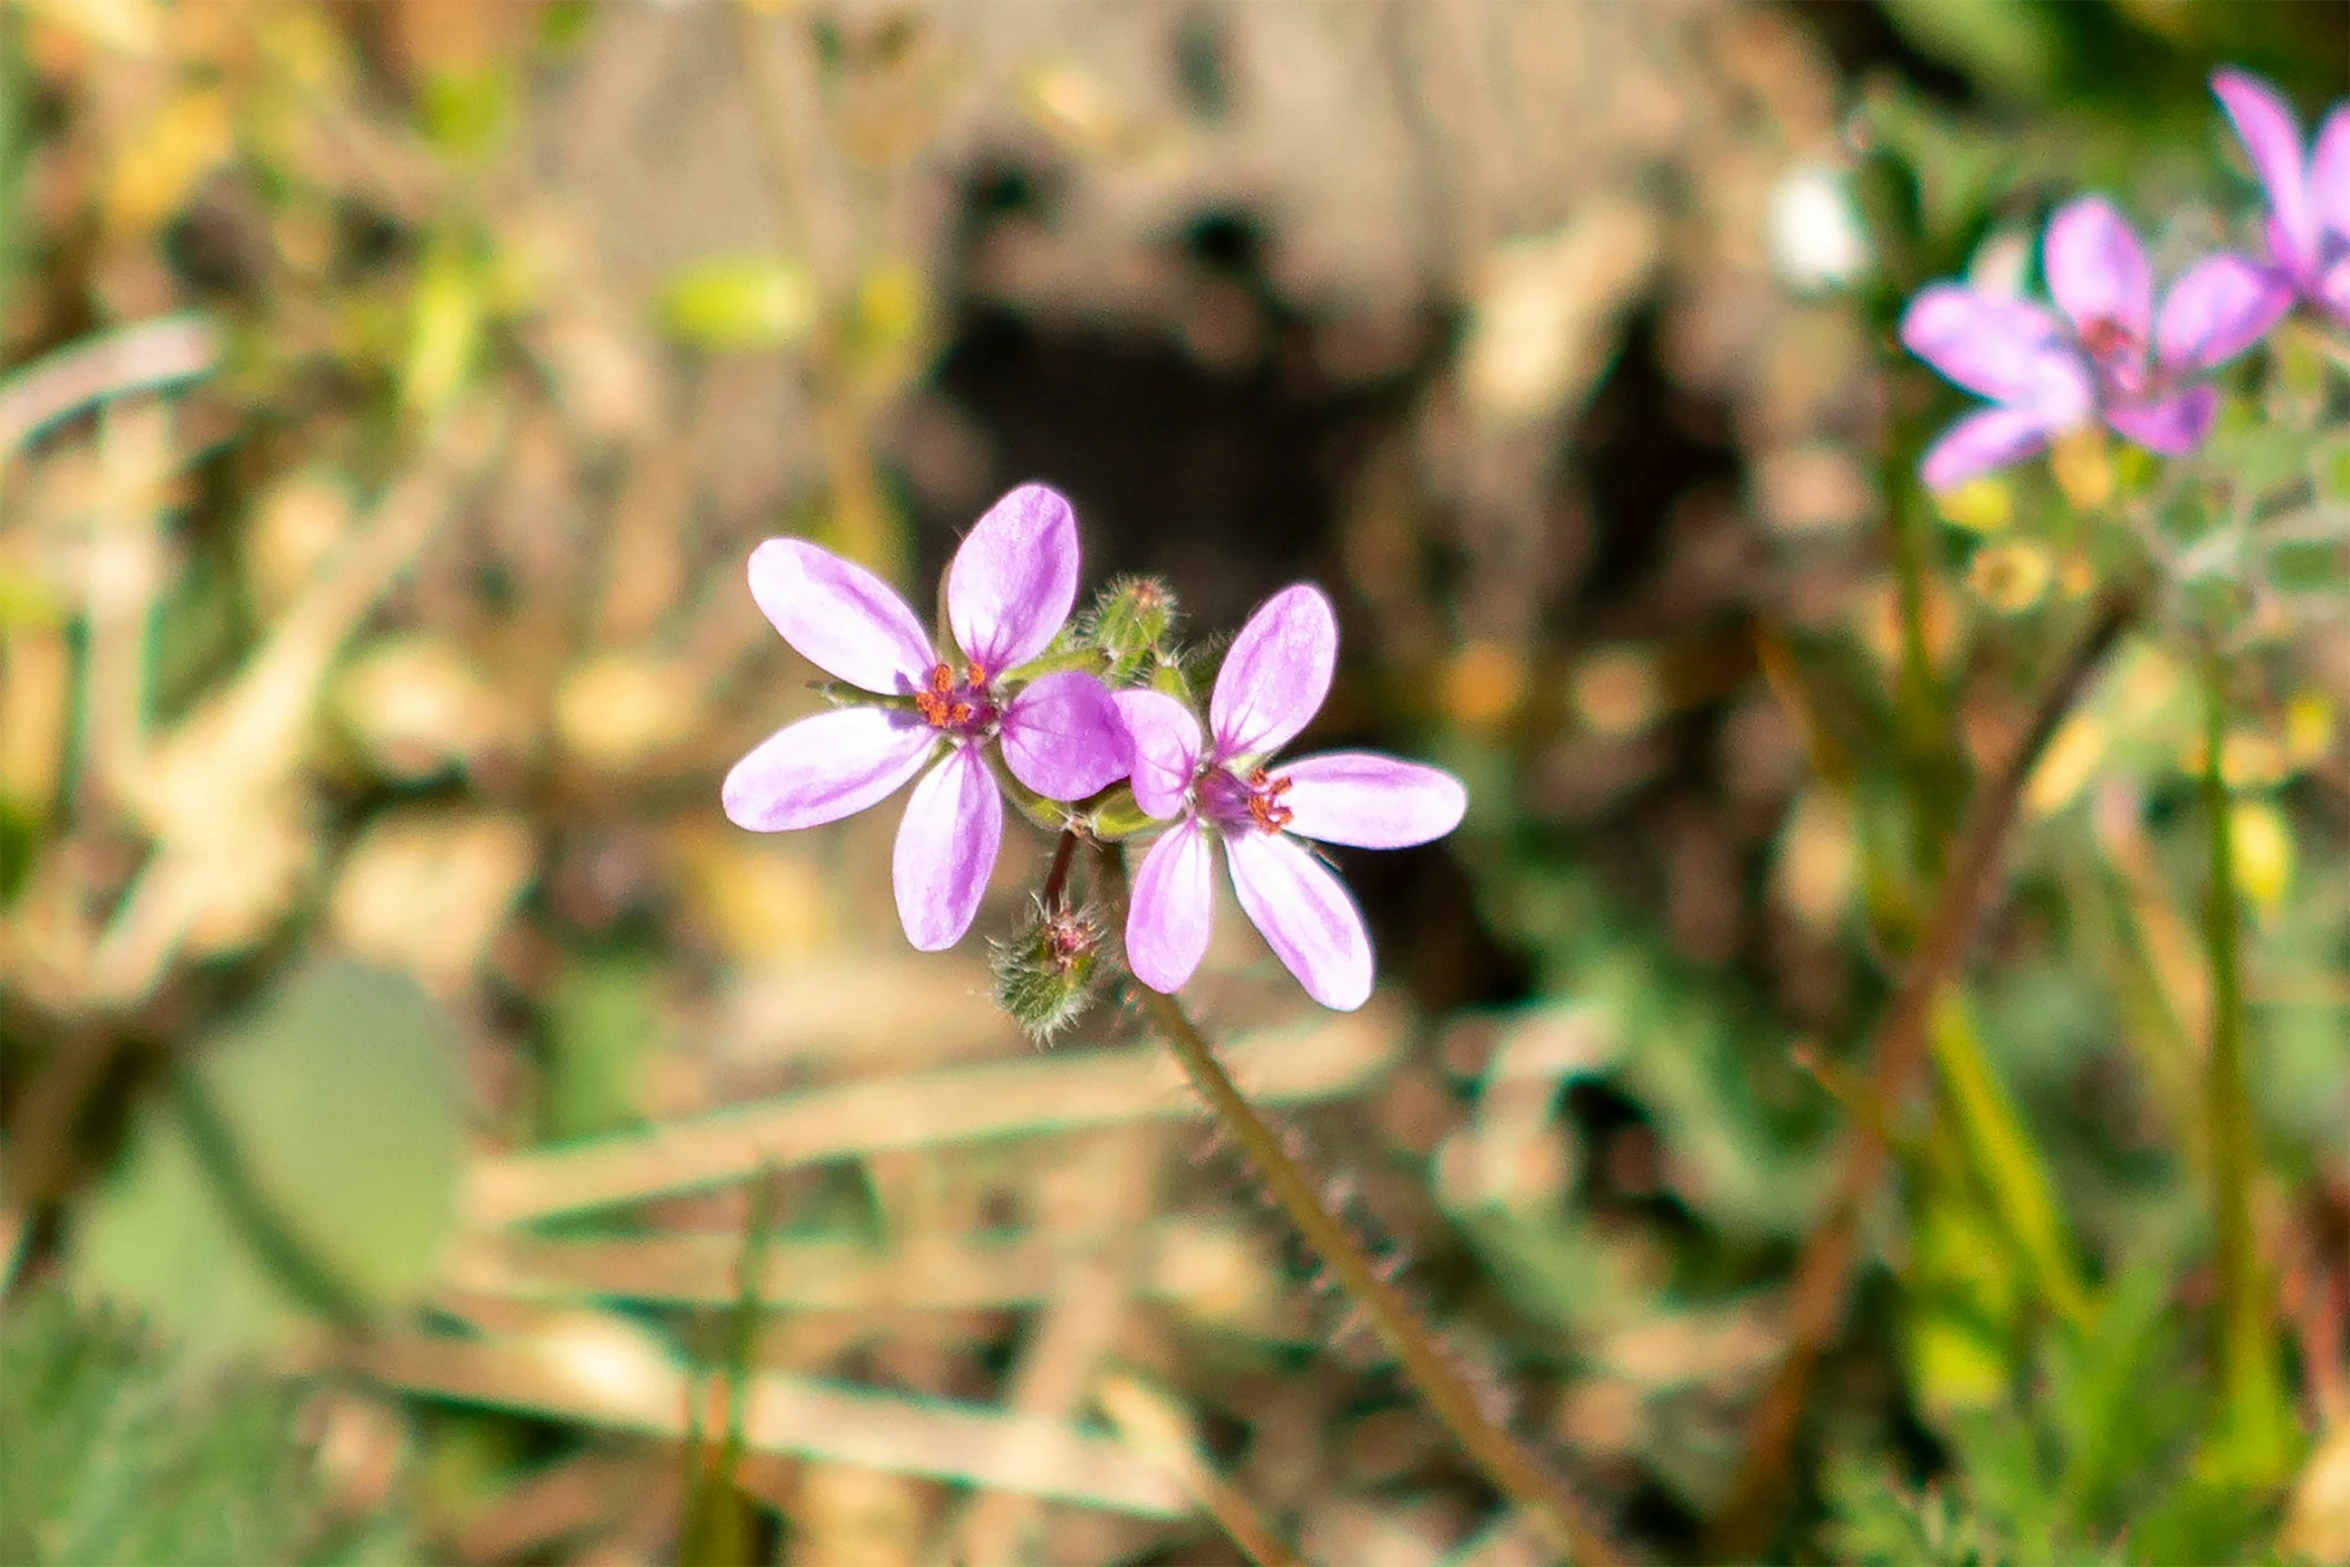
{"x": 2111, "y": 351}
{"x": 1090, "y": 730}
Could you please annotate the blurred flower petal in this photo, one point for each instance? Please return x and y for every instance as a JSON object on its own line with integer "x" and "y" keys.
{"x": 2272, "y": 140}
{"x": 1981, "y": 443}
{"x": 824, "y": 768}
{"x": 1015, "y": 579}
{"x": 2171, "y": 426}
{"x": 1168, "y": 920}
{"x": 1305, "y": 915}
{"x": 2329, "y": 175}
{"x": 2222, "y": 306}
{"x": 2097, "y": 271}
{"x": 1276, "y": 674}
{"x": 2009, "y": 350}
{"x": 840, "y": 617}
{"x": 1062, "y": 737}
{"x": 1166, "y": 749}
{"x": 946, "y": 850}
{"x": 1371, "y": 801}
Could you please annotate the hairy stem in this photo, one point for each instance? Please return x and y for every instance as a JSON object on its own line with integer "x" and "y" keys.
{"x": 1823, "y": 1272}
{"x": 2251, "y": 1413}
{"x": 1545, "y": 1500}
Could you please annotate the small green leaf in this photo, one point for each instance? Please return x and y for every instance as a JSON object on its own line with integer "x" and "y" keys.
{"x": 734, "y": 304}
{"x": 323, "y": 1125}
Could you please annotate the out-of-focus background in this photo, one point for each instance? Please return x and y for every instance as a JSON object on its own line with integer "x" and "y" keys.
{"x": 432, "y": 1132}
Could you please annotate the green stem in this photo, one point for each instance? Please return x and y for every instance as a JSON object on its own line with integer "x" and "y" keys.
{"x": 2253, "y": 1417}
{"x": 1921, "y": 724}
{"x": 1543, "y": 1498}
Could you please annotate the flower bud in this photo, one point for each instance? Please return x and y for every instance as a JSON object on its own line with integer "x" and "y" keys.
{"x": 1128, "y": 624}
{"x": 1047, "y": 971}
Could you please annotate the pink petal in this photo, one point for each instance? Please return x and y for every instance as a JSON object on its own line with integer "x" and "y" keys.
{"x": 1062, "y": 737}
{"x": 2171, "y": 426}
{"x": 2097, "y": 270}
{"x": 1276, "y": 674}
{"x": 841, "y": 617}
{"x": 1371, "y": 801}
{"x": 2221, "y": 306}
{"x": 1166, "y": 749}
{"x": 2329, "y": 174}
{"x": 1982, "y": 443}
{"x": 1304, "y": 914}
{"x": 1014, "y": 579}
{"x": 946, "y": 850}
{"x": 824, "y": 768}
{"x": 2333, "y": 290}
{"x": 2272, "y": 140}
{"x": 1173, "y": 905}
{"x": 2009, "y": 350}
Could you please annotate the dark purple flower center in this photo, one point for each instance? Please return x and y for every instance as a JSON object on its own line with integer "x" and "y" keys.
{"x": 2118, "y": 352}
{"x": 1229, "y": 800}
{"x": 959, "y": 704}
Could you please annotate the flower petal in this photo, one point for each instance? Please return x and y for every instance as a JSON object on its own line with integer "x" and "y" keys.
{"x": 2271, "y": 134}
{"x": 1014, "y": 579}
{"x": 2009, "y": 350}
{"x": 1276, "y": 674}
{"x": 1371, "y": 801}
{"x": 2220, "y": 307}
{"x": 1982, "y": 442}
{"x": 1168, "y": 918}
{"x": 946, "y": 850}
{"x": 2171, "y": 426}
{"x": 824, "y": 768}
{"x": 2097, "y": 270}
{"x": 1166, "y": 749}
{"x": 2329, "y": 174}
{"x": 2333, "y": 289}
{"x": 841, "y": 617}
{"x": 1062, "y": 736}
{"x": 1304, "y": 914}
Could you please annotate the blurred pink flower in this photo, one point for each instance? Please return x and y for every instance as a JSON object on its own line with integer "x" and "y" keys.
{"x": 2106, "y": 352}
{"x": 2308, "y": 224}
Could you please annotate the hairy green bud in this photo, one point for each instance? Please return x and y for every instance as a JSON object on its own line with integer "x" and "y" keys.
{"x": 1128, "y": 626}
{"x": 1048, "y": 971}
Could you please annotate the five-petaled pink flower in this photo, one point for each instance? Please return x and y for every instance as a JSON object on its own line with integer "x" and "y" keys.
{"x": 1270, "y": 687}
{"x": 2308, "y": 202}
{"x": 1009, "y": 590}
{"x": 2110, "y": 355}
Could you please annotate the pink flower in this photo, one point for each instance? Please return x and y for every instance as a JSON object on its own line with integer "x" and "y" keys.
{"x": 2308, "y": 202}
{"x": 2110, "y": 355}
{"x": 1008, "y": 593}
{"x": 1271, "y": 685}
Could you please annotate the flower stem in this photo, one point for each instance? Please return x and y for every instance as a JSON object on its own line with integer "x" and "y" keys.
{"x": 1749, "y": 1513}
{"x": 1544, "y": 1499}
{"x": 1056, "y": 881}
{"x": 2252, "y": 1417}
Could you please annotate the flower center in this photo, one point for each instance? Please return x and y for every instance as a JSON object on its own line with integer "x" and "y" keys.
{"x": 2118, "y": 352}
{"x": 1255, "y": 801}
{"x": 959, "y": 704}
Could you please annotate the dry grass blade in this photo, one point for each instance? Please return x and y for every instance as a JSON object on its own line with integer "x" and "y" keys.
{"x": 141, "y": 358}
{"x": 607, "y": 1373}
{"x": 1155, "y": 1424}
{"x": 1319, "y": 1059}
{"x": 1211, "y": 1271}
